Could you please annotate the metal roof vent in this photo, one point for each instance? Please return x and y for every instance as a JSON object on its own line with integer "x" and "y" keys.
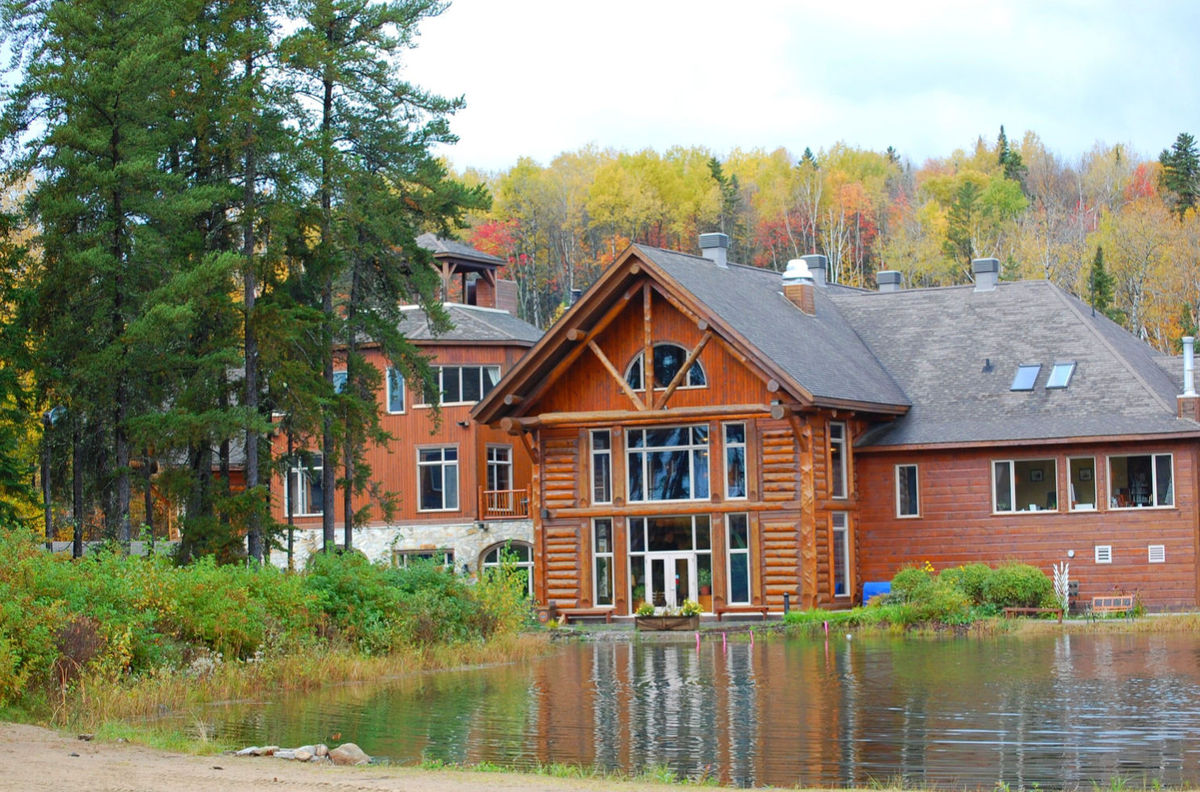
{"x": 986, "y": 272}
{"x": 818, "y": 266}
{"x": 715, "y": 248}
{"x": 888, "y": 280}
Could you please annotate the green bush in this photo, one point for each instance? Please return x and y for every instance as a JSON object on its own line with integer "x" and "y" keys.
{"x": 908, "y": 581}
{"x": 971, "y": 579}
{"x": 1015, "y": 585}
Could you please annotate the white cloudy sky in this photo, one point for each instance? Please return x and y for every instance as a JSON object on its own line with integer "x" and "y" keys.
{"x": 546, "y": 76}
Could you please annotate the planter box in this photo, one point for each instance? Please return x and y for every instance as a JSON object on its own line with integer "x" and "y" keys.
{"x": 667, "y": 622}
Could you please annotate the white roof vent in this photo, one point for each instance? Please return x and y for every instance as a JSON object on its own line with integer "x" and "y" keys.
{"x": 797, "y": 270}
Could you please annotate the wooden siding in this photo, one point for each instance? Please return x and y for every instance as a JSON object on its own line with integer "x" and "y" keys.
{"x": 394, "y": 466}
{"x": 957, "y": 525}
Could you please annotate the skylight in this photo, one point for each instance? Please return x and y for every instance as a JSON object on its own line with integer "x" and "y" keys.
{"x": 1026, "y": 376}
{"x": 1060, "y": 375}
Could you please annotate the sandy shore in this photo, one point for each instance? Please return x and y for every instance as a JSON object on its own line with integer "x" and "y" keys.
{"x": 33, "y": 759}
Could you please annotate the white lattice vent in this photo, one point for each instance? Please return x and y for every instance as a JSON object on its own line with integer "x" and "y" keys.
{"x": 1103, "y": 554}
{"x": 1158, "y": 554}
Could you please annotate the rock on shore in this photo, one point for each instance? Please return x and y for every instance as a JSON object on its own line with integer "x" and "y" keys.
{"x": 344, "y": 754}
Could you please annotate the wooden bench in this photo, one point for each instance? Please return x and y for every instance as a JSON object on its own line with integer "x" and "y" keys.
{"x": 734, "y": 610}
{"x": 1120, "y": 603}
{"x": 567, "y": 614}
{"x": 1010, "y": 612}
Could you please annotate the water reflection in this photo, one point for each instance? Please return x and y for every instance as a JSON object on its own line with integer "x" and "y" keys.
{"x": 1052, "y": 711}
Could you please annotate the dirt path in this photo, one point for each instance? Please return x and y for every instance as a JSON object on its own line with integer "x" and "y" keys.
{"x": 33, "y": 759}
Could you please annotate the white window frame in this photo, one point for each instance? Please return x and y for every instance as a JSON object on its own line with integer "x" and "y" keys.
{"x": 340, "y": 378}
{"x": 302, "y": 472}
{"x": 844, "y": 539}
{"x": 729, "y": 445}
{"x": 458, "y": 368}
{"x": 597, "y": 556}
{"x": 499, "y": 457}
{"x": 441, "y": 463}
{"x": 401, "y": 558}
{"x": 730, "y": 552}
{"x": 1012, "y": 485}
{"x": 485, "y": 564}
{"x": 1071, "y": 499}
{"x": 598, "y": 454}
{"x": 1154, "y": 504}
{"x": 637, "y": 365}
{"x": 694, "y": 450}
{"x": 392, "y": 378}
{"x": 916, "y": 495}
{"x": 841, "y": 443}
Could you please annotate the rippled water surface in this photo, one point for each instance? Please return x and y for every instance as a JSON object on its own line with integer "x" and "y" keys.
{"x": 1052, "y": 711}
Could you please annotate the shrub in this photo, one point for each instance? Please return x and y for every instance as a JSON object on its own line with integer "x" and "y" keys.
{"x": 1015, "y": 585}
{"x": 971, "y": 579}
{"x": 908, "y": 580}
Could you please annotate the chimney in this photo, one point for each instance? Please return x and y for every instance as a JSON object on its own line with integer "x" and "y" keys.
{"x": 1189, "y": 402}
{"x": 575, "y": 295}
{"x": 888, "y": 280}
{"x": 798, "y": 285}
{"x": 986, "y": 272}
{"x": 817, "y": 265}
{"x": 715, "y": 248}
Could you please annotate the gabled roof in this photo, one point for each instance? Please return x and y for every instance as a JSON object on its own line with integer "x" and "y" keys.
{"x": 453, "y": 249}
{"x": 471, "y": 324}
{"x": 936, "y": 343}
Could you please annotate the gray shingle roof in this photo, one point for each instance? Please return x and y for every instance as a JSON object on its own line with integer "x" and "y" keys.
{"x": 471, "y": 324}
{"x": 440, "y": 246}
{"x": 935, "y": 343}
{"x": 821, "y": 352}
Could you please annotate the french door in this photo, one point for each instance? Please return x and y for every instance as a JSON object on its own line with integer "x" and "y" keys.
{"x": 671, "y": 578}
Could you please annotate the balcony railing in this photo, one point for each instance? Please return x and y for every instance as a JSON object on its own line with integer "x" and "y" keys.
{"x": 503, "y": 504}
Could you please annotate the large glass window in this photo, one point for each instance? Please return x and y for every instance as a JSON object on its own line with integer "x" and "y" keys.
{"x": 463, "y": 384}
{"x": 395, "y": 391}
{"x": 302, "y": 489}
{"x": 602, "y": 553}
{"x": 667, "y": 556}
{"x": 735, "y": 460}
{"x": 668, "y": 464}
{"x": 837, "y": 459}
{"x": 908, "y": 502}
{"x": 1140, "y": 480}
{"x": 601, "y": 466}
{"x": 1082, "y": 471}
{"x": 437, "y": 473}
{"x": 840, "y": 557}
{"x": 1025, "y": 485}
{"x": 737, "y": 534}
{"x": 668, "y": 359}
{"x": 517, "y": 554}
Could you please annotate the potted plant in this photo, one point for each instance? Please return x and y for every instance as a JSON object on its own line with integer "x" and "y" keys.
{"x": 704, "y": 579}
{"x": 685, "y": 617}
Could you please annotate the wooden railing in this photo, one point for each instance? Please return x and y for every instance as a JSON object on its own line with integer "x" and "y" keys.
{"x": 503, "y": 504}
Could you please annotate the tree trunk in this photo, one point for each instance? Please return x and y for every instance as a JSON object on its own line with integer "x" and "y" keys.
{"x": 254, "y": 538}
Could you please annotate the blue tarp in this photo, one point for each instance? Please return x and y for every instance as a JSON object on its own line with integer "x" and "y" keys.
{"x": 875, "y": 589}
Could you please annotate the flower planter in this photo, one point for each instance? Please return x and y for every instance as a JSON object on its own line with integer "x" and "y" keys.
{"x": 667, "y": 622}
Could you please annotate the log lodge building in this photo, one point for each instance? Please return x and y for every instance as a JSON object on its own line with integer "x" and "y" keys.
{"x": 704, "y": 430}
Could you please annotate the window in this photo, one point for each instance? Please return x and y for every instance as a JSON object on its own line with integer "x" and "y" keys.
{"x": 1025, "y": 485}
{"x": 601, "y": 466}
{"x": 395, "y": 391}
{"x": 339, "y": 381}
{"x": 518, "y": 554}
{"x": 840, "y": 557}
{"x": 463, "y": 384}
{"x": 668, "y": 359}
{"x": 668, "y": 554}
{"x": 1082, "y": 471}
{"x": 1060, "y": 375}
{"x": 302, "y": 490}
{"x": 437, "y": 478}
{"x": 1103, "y": 554}
{"x": 499, "y": 468}
{"x": 908, "y": 502}
{"x": 1156, "y": 554}
{"x": 837, "y": 459}
{"x": 668, "y": 464}
{"x": 737, "y": 535}
{"x": 444, "y": 557}
{"x": 1026, "y": 376}
{"x": 1142, "y": 480}
{"x": 602, "y": 553}
{"x": 735, "y": 460}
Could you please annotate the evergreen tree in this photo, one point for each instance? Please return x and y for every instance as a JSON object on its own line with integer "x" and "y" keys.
{"x": 1181, "y": 172}
{"x": 1010, "y": 160}
{"x": 729, "y": 220}
{"x": 1100, "y": 287}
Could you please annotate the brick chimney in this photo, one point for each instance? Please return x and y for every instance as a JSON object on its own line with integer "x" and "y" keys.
{"x": 888, "y": 280}
{"x": 715, "y": 248}
{"x": 798, "y": 286}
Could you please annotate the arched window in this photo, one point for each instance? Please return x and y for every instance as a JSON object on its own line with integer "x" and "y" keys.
{"x": 519, "y": 554}
{"x": 668, "y": 358}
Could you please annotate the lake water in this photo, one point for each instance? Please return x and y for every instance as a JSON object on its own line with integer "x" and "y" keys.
{"x": 1053, "y": 711}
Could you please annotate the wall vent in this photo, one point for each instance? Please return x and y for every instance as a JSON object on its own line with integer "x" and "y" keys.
{"x": 1158, "y": 554}
{"x": 1103, "y": 554}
